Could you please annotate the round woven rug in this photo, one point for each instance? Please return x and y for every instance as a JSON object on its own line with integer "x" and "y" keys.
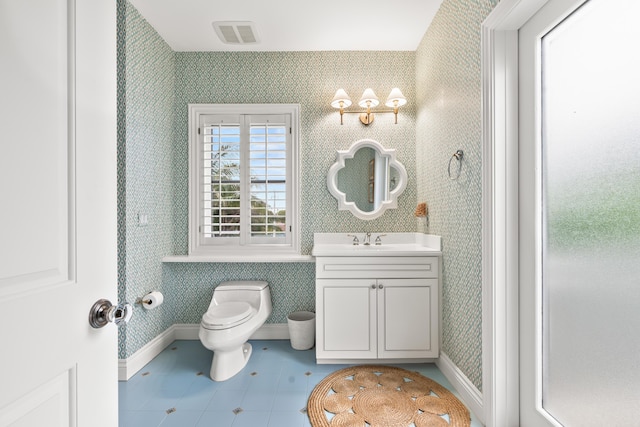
{"x": 383, "y": 396}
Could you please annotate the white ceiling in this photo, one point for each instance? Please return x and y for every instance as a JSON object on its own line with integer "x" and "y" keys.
{"x": 293, "y": 25}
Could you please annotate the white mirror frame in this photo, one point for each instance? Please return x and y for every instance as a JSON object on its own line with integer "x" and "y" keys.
{"x": 343, "y": 155}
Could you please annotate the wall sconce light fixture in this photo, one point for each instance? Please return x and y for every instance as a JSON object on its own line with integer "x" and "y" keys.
{"x": 369, "y": 100}
{"x": 341, "y": 100}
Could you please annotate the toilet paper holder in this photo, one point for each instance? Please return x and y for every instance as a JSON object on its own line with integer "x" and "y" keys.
{"x": 150, "y": 300}
{"x": 142, "y": 301}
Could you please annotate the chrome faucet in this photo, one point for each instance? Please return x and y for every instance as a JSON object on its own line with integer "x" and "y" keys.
{"x": 367, "y": 239}
{"x": 356, "y": 242}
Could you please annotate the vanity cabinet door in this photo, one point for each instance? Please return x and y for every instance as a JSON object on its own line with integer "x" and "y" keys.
{"x": 407, "y": 318}
{"x": 346, "y": 321}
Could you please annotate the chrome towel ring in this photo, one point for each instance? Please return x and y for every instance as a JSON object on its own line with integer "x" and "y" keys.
{"x": 457, "y": 156}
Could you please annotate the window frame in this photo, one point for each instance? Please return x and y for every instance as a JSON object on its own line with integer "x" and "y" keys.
{"x": 198, "y": 245}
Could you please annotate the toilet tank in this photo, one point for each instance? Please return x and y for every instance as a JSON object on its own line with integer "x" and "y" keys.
{"x": 252, "y": 292}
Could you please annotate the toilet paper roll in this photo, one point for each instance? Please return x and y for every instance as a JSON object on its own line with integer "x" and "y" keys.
{"x": 152, "y": 300}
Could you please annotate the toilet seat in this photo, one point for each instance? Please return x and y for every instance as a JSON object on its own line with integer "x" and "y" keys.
{"x": 227, "y": 315}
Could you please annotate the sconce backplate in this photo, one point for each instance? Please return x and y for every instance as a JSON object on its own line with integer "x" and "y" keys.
{"x": 366, "y": 118}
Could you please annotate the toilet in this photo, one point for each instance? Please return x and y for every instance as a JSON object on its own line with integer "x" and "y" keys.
{"x": 236, "y": 311}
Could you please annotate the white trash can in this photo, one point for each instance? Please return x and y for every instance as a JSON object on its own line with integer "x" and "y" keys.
{"x": 302, "y": 329}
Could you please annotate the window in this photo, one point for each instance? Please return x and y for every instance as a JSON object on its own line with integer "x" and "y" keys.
{"x": 243, "y": 167}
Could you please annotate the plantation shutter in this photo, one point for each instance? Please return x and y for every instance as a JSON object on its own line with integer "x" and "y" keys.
{"x": 269, "y": 157}
{"x": 221, "y": 177}
{"x": 245, "y": 179}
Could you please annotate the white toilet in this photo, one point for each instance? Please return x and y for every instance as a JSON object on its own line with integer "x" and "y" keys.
{"x": 236, "y": 311}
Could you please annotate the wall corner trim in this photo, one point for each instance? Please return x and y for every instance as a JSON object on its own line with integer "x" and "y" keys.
{"x": 185, "y": 331}
{"x": 471, "y": 396}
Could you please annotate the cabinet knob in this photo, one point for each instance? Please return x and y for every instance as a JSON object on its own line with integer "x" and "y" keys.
{"x": 373, "y": 286}
{"x": 380, "y": 286}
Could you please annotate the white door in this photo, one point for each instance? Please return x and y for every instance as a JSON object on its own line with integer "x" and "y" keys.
{"x": 579, "y": 140}
{"x": 58, "y": 211}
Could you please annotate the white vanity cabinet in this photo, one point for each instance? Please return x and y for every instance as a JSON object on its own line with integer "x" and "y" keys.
{"x": 377, "y": 308}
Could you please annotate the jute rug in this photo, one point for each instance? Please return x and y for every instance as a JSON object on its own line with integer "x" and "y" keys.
{"x": 383, "y": 396}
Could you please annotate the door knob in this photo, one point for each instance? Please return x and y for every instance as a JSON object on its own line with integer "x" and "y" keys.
{"x": 380, "y": 286}
{"x": 104, "y": 312}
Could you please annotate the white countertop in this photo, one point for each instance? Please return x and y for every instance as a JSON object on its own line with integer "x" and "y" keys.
{"x": 393, "y": 244}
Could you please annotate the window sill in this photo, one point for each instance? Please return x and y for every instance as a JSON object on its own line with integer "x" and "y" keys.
{"x": 239, "y": 258}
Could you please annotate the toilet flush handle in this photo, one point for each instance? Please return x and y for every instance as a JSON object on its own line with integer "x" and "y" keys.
{"x": 103, "y": 312}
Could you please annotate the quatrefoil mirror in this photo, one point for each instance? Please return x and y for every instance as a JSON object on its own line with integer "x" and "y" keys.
{"x": 367, "y": 179}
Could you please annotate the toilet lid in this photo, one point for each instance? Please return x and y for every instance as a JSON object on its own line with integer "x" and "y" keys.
{"x": 227, "y": 314}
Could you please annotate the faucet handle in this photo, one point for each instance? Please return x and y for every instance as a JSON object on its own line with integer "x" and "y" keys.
{"x": 379, "y": 240}
{"x": 355, "y": 239}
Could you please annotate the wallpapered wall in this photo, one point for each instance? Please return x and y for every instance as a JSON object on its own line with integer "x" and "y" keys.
{"x": 155, "y": 86}
{"x": 309, "y": 79}
{"x": 146, "y": 86}
{"x": 448, "y": 88}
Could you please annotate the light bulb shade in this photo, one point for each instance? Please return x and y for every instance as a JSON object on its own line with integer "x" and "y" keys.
{"x": 394, "y": 96}
{"x": 369, "y": 96}
{"x": 341, "y": 95}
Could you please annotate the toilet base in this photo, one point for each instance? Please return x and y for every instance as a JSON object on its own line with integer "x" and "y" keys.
{"x": 226, "y": 364}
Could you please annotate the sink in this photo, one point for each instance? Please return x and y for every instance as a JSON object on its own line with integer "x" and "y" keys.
{"x": 393, "y": 244}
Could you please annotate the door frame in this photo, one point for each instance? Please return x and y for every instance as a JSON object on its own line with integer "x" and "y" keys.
{"x": 500, "y": 314}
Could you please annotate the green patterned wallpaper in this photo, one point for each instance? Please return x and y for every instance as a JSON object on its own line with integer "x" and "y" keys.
{"x": 309, "y": 79}
{"x": 145, "y": 162}
{"x": 155, "y": 86}
{"x": 448, "y": 88}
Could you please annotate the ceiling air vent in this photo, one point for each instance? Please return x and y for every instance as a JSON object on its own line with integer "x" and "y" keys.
{"x": 236, "y": 32}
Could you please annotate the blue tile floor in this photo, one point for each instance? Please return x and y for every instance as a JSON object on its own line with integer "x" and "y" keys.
{"x": 174, "y": 389}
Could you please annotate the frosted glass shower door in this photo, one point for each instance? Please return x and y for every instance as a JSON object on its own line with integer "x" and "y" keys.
{"x": 590, "y": 216}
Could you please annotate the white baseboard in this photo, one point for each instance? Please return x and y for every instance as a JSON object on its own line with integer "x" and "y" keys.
{"x": 272, "y": 331}
{"x": 129, "y": 366}
{"x": 268, "y": 331}
{"x": 185, "y": 331}
{"x": 470, "y": 395}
